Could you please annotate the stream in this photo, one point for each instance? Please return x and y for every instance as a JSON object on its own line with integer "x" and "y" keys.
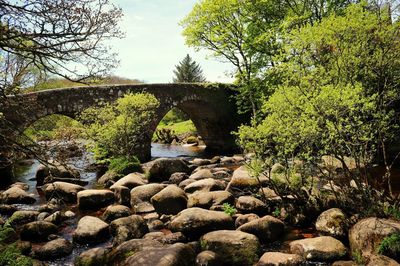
{"x": 25, "y": 172}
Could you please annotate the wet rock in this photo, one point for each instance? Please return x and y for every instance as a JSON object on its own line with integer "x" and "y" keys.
{"x": 194, "y": 222}
{"x": 323, "y": 248}
{"x": 141, "y": 195}
{"x": 55, "y": 218}
{"x": 232, "y": 247}
{"x": 116, "y": 211}
{"x": 93, "y": 199}
{"x": 55, "y": 170}
{"x": 207, "y": 258}
{"x": 170, "y": 200}
{"x": 268, "y": 229}
{"x": 380, "y": 260}
{"x": 54, "y": 249}
{"x": 245, "y": 218}
{"x": 92, "y": 257}
{"x": 22, "y": 217}
{"x": 344, "y": 263}
{"x": 69, "y": 214}
{"x": 280, "y": 259}
{"x": 127, "y": 228}
{"x": 201, "y": 174}
{"x": 16, "y": 195}
{"x": 249, "y": 204}
{"x": 130, "y": 247}
{"x": 62, "y": 190}
{"x": 207, "y": 200}
{"x": 37, "y": 231}
{"x": 108, "y": 176}
{"x": 90, "y": 230}
{"x": 332, "y": 222}
{"x": 42, "y": 216}
{"x": 205, "y": 185}
{"x": 130, "y": 181}
{"x": 170, "y": 238}
{"x": 79, "y": 182}
{"x": 366, "y": 235}
{"x": 176, "y": 178}
{"x": 7, "y": 209}
{"x": 161, "y": 169}
{"x": 122, "y": 195}
{"x": 175, "y": 255}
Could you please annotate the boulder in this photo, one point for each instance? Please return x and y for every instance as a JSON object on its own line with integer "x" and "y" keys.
{"x": 54, "y": 249}
{"x": 200, "y": 161}
{"x": 242, "y": 180}
{"x": 345, "y": 263}
{"x": 62, "y": 190}
{"x": 194, "y": 222}
{"x": 176, "y": 178}
{"x": 22, "y": 217}
{"x": 208, "y": 199}
{"x": 161, "y": 169}
{"x": 6, "y": 209}
{"x": 170, "y": 238}
{"x": 21, "y": 185}
{"x": 249, "y": 204}
{"x": 380, "y": 260}
{"x": 366, "y": 235}
{"x": 186, "y": 182}
{"x": 127, "y": 228}
{"x": 323, "y": 248}
{"x": 92, "y": 257}
{"x": 116, "y": 211}
{"x": 90, "y": 230}
{"x": 201, "y": 174}
{"x": 55, "y": 218}
{"x": 55, "y": 170}
{"x": 170, "y": 200}
{"x": 175, "y": 255}
{"x": 280, "y": 259}
{"x": 130, "y": 181}
{"x": 141, "y": 195}
{"x": 232, "y": 247}
{"x": 130, "y": 247}
{"x": 245, "y": 218}
{"x": 93, "y": 199}
{"x": 268, "y": 229}
{"x": 37, "y": 231}
{"x": 122, "y": 195}
{"x": 332, "y": 222}
{"x": 109, "y": 176}
{"x": 208, "y": 258}
{"x": 205, "y": 185}
{"x": 16, "y": 195}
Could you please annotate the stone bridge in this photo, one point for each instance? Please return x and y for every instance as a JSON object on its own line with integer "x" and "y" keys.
{"x": 210, "y": 106}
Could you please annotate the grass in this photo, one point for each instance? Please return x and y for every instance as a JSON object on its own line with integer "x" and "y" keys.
{"x": 390, "y": 246}
{"x": 179, "y": 127}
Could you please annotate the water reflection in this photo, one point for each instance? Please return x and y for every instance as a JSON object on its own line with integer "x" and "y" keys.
{"x": 168, "y": 150}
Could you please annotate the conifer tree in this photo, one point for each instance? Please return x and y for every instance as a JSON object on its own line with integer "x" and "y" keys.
{"x": 188, "y": 71}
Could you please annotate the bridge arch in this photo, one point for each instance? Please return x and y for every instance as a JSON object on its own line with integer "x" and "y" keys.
{"x": 210, "y": 107}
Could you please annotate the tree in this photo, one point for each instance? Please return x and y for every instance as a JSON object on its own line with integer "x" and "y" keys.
{"x": 63, "y": 37}
{"x": 116, "y": 129}
{"x": 338, "y": 97}
{"x": 188, "y": 71}
{"x": 248, "y": 34}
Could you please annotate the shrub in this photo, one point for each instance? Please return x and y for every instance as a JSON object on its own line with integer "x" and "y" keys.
{"x": 11, "y": 256}
{"x": 124, "y": 166}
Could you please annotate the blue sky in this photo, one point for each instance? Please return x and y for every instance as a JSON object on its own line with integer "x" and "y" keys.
{"x": 154, "y": 44}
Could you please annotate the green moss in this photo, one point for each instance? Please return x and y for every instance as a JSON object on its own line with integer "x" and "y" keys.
{"x": 390, "y": 246}
{"x": 11, "y": 256}
{"x": 6, "y": 232}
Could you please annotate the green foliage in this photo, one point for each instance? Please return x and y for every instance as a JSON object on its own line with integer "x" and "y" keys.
{"x": 124, "y": 166}
{"x": 392, "y": 211}
{"x": 6, "y": 232}
{"x": 277, "y": 212}
{"x": 229, "y": 209}
{"x": 390, "y": 246}
{"x": 188, "y": 71}
{"x": 10, "y": 255}
{"x": 358, "y": 258}
{"x": 116, "y": 129}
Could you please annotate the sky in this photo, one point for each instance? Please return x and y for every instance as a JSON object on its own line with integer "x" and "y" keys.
{"x": 154, "y": 43}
